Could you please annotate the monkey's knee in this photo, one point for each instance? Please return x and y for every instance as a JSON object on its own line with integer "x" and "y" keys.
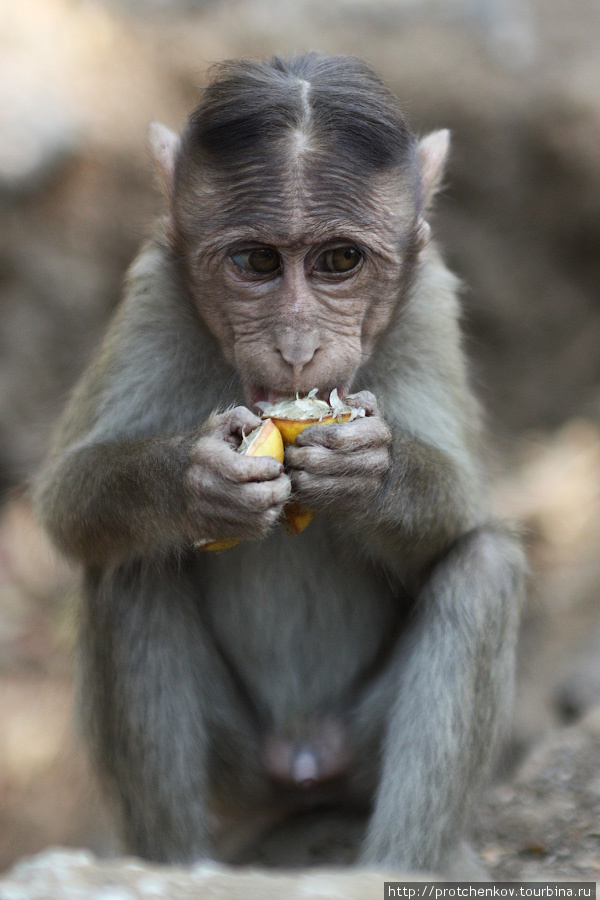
{"x": 485, "y": 572}
{"x": 493, "y": 548}
{"x": 498, "y": 550}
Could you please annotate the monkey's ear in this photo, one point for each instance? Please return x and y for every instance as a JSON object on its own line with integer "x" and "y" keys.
{"x": 163, "y": 146}
{"x": 433, "y": 150}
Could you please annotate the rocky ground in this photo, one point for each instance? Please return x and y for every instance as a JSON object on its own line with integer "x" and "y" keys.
{"x": 71, "y": 876}
{"x": 543, "y": 825}
{"x": 544, "y": 822}
{"x": 517, "y": 84}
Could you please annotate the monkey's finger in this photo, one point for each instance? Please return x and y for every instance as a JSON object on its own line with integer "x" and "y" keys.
{"x": 236, "y": 420}
{"x": 215, "y": 455}
{"x": 366, "y": 399}
{"x": 255, "y": 496}
{"x": 320, "y": 492}
{"x": 229, "y": 510}
{"x": 238, "y": 468}
{"x": 368, "y": 432}
{"x": 218, "y": 466}
{"x": 249, "y": 525}
{"x": 321, "y": 461}
{"x": 256, "y": 508}
{"x": 241, "y": 507}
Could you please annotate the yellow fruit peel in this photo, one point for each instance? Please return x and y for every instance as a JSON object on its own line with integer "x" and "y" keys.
{"x": 297, "y": 518}
{"x": 291, "y": 428}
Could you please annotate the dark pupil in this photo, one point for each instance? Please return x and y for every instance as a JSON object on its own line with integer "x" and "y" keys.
{"x": 344, "y": 259}
{"x": 263, "y": 260}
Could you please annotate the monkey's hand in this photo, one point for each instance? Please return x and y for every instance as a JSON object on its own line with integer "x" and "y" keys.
{"x": 228, "y": 494}
{"x": 392, "y": 487}
{"x": 342, "y": 467}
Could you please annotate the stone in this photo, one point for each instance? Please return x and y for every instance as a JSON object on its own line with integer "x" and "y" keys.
{"x": 77, "y": 875}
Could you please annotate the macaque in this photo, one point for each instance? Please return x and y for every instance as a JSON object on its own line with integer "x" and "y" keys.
{"x": 367, "y": 663}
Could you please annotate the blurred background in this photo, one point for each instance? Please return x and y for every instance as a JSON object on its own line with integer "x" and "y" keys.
{"x": 518, "y": 83}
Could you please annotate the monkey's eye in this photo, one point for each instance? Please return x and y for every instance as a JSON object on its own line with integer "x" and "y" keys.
{"x": 338, "y": 260}
{"x": 262, "y": 260}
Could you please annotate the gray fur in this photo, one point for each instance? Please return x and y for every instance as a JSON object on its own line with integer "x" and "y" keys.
{"x": 393, "y": 616}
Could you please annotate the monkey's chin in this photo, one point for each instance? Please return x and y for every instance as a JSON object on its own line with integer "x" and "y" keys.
{"x": 259, "y": 394}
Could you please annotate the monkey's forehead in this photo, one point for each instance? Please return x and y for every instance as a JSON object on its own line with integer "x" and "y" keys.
{"x": 293, "y": 208}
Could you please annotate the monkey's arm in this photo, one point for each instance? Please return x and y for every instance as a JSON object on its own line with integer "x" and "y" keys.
{"x": 394, "y": 488}
{"x": 112, "y": 497}
{"x": 426, "y": 498}
{"x": 139, "y": 462}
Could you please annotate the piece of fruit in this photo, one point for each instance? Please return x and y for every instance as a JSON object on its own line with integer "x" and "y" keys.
{"x": 297, "y": 518}
{"x": 263, "y": 441}
{"x": 291, "y": 418}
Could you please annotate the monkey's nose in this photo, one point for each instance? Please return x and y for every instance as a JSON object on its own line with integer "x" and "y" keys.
{"x": 298, "y": 356}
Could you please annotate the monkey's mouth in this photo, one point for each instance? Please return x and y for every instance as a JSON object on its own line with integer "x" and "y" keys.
{"x": 258, "y": 394}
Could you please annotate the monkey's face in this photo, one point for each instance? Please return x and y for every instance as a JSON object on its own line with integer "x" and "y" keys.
{"x": 298, "y": 296}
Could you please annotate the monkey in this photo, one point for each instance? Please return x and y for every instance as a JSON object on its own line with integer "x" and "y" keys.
{"x": 368, "y": 662}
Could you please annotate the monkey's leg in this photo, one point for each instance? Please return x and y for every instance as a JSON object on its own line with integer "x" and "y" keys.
{"x": 452, "y": 676}
{"x": 156, "y": 697}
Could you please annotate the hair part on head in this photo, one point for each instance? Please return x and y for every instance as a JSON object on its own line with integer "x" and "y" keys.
{"x": 301, "y": 135}
{"x": 300, "y": 142}
{"x": 304, "y": 90}
{"x": 251, "y": 110}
